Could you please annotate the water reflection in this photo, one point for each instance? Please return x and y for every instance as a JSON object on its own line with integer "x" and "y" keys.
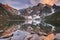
{"x": 15, "y": 25}
{"x": 9, "y": 27}
{"x": 34, "y": 20}
{"x": 31, "y": 21}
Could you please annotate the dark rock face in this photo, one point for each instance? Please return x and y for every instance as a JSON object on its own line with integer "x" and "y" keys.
{"x": 35, "y": 10}
{"x": 57, "y": 8}
{"x": 46, "y": 9}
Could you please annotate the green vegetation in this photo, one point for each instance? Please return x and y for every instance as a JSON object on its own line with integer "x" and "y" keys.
{"x": 54, "y": 19}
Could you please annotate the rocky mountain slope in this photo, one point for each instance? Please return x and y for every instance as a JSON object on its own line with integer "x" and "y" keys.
{"x": 8, "y": 16}
{"x": 38, "y": 9}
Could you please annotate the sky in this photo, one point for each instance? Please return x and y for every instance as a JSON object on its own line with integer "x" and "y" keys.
{"x": 20, "y": 4}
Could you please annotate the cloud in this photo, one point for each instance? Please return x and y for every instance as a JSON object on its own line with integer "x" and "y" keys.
{"x": 19, "y": 4}
{"x": 34, "y": 2}
{"x": 12, "y": 2}
{"x": 2, "y": 1}
{"x": 58, "y": 2}
{"x": 49, "y": 2}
